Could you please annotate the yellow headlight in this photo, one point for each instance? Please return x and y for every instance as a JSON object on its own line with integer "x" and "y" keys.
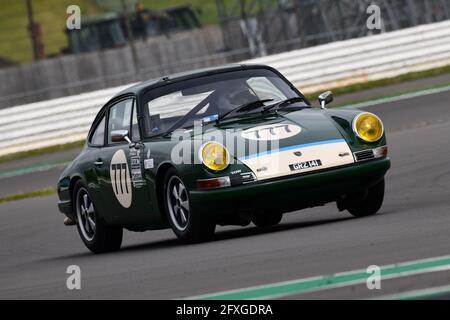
{"x": 368, "y": 127}
{"x": 214, "y": 156}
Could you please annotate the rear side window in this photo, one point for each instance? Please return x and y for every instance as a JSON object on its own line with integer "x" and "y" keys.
{"x": 98, "y": 137}
{"x": 120, "y": 117}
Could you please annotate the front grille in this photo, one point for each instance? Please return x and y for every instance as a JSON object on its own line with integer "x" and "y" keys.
{"x": 243, "y": 178}
{"x": 364, "y": 155}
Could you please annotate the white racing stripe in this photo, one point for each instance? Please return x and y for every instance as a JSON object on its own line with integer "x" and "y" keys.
{"x": 299, "y": 159}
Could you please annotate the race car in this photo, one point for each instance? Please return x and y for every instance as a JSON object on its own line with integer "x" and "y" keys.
{"x": 232, "y": 145}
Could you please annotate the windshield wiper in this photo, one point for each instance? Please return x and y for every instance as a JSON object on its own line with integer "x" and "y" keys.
{"x": 284, "y": 104}
{"x": 245, "y": 108}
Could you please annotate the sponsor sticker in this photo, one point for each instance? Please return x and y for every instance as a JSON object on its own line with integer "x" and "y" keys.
{"x": 306, "y": 165}
{"x": 134, "y": 153}
{"x": 135, "y": 162}
{"x": 136, "y": 169}
{"x": 210, "y": 119}
{"x": 149, "y": 164}
{"x": 136, "y": 176}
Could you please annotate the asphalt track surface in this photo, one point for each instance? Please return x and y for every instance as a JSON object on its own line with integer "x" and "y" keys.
{"x": 414, "y": 223}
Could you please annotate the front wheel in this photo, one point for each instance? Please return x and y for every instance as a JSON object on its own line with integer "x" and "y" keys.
{"x": 188, "y": 224}
{"x": 95, "y": 233}
{"x": 369, "y": 205}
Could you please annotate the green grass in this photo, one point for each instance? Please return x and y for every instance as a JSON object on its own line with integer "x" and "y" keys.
{"x": 33, "y": 194}
{"x": 40, "y": 151}
{"x": 384, "y": 82}
{"x": 393, "y": 95}
{"x": 15, "y": 41}
{"x": 206, "y": 9}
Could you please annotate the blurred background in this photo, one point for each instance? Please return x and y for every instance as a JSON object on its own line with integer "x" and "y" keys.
{"x": 123, "y": 41}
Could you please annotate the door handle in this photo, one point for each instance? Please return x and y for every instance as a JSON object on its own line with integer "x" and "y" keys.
{"x": 98, "y": 163}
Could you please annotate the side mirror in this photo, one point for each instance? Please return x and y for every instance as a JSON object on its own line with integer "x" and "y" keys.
{"x": 326, "y": 98}
{"x": 120, "y": 136}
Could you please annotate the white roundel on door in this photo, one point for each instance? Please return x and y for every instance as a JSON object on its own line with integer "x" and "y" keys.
{"x": 120, "y": 178}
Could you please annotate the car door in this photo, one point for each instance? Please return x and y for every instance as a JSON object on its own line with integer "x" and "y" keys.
{"x": 119, "y": 168}
{"x": 113, "y": 167}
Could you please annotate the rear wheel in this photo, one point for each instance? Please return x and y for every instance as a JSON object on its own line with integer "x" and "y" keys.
{"x": 266, "y": 220}
{"x": 369, "y": 205}
{"x": 95, "y": 233}
{"x": 188, "y": 224}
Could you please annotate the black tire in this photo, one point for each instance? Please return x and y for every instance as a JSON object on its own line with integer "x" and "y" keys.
{"x": 371, "y": 204}
{"x": 96, "y": 234}
{"x": 189, "y": 224}
{"x": 267, "y": 220}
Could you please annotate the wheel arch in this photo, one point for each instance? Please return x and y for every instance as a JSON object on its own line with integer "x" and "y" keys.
{"x": 73, "y": 182}
{"x": 159, "y": 187}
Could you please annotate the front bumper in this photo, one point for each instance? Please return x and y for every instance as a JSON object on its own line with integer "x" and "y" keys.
{"x": 293, "y": 193}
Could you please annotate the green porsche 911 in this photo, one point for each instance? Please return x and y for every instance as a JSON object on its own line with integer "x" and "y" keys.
{"x": 224, "y": 146}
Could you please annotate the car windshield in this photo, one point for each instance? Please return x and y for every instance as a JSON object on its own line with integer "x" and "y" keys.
{"x": 180, "y": 105}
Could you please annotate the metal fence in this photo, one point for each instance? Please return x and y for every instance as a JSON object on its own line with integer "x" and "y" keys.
{"x": 73, "y": 74}
{"x": 68, "y": 119}
{"x": 273, "y": 26}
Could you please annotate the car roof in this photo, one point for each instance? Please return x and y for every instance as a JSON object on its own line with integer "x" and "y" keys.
{"x": 144, "y": 86}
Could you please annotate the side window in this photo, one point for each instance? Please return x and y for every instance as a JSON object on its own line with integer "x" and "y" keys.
{"x": 135, "y": 134}
{"x": 120, "y": 117}
{"x": 98, "y": 137}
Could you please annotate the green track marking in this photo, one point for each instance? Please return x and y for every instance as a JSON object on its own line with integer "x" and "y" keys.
{"x": 299, "y": 286}
{"x": 418, "y": 294}
{"x": 34, "y": 168}
{"x": 405, "y": 96}
{"x": 33, "y": 194}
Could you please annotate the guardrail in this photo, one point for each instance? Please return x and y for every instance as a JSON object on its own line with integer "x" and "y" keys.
{"x": 66, "y": 120}
{"x": 365, "y": 59}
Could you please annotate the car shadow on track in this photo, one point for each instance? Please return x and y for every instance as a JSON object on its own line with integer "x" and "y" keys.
{"x": 224, "y": 235}
{"x": 255, "y": 231}
{"x": 244, "y": 232}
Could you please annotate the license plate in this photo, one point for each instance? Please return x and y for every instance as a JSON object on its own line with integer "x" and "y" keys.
{"x": 305, "y": 165}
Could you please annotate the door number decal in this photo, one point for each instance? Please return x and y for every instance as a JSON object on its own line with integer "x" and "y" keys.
{"x": 120, "y": 179}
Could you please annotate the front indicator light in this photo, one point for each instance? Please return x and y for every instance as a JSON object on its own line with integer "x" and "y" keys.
{"x": 380, "y": 152}
{"x": 215, "y": 183}
{"x": 368, "y": 127}
{"x": 214, "y": 156}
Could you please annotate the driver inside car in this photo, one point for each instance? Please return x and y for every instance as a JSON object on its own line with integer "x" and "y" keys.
{"x": 235, "y": 97}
